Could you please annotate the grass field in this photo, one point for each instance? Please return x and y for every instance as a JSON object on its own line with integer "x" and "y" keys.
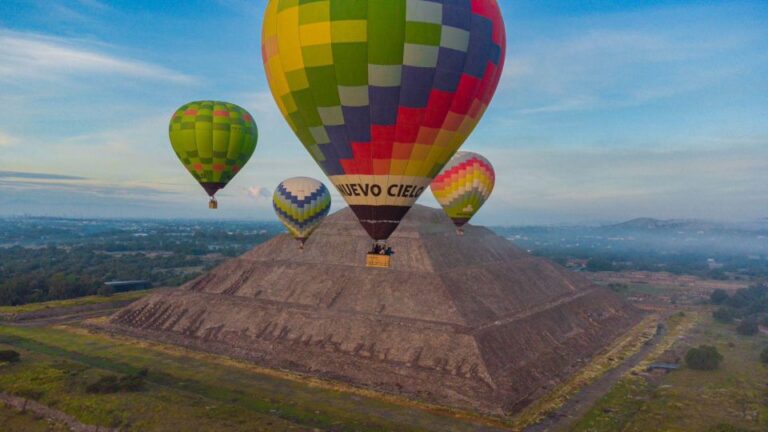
{"x": 81, "y": 301}
{"x": 12, "y": 420}
{"x": 190, "y": 391}
{"x": 733, "y": 398}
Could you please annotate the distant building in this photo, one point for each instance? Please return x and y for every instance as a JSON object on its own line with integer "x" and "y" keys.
{"x": 121, "y": 286}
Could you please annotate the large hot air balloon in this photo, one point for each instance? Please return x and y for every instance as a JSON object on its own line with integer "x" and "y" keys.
{"x": 301, "y": 204}
{"x": 213, "y": 140}
{"x": 463, "y": 186}
{"x": 382, "y": 92}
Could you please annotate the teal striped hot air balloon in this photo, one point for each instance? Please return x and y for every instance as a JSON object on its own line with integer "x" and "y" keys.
{"x": 301, "y": 204}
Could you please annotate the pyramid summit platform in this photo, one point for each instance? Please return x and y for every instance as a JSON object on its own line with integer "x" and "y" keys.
{"x": 469, "y": 321}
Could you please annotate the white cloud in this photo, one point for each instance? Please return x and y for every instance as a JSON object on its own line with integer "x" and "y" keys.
{"x": 7, "y": 140}
{"x": 259, "y": 193}
{"x": 25, "y": 56}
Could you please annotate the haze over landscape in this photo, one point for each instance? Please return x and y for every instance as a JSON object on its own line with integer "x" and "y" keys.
{"x": 606, "y": 111}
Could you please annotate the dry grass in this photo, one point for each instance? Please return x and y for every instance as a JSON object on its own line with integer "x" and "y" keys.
{"x": 732, "y": 398}
{"x": 306, "y": 380}
{"x": 80, "y": 301}
{"x": 175, "y": 373}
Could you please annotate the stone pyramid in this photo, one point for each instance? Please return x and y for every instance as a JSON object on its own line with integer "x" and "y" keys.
{"x": 468, "y": 321}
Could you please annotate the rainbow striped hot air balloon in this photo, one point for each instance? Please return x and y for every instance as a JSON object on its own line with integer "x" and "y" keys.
{"x": 463, "y": 186}
{"x": 382, "y": 92}
{"x": 301, "y": 204}
{"x": 213, "y": 140}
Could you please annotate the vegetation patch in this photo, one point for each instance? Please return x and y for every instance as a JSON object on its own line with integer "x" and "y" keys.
{"x": 732, "y": 397}
{"x": 705, "y": 358}
{"x": 192, "y": 391}
{"x": 76, "y": 302}
{"x": 9, "y": 356}
{"x": 745, "y": 304}
{"x": 114, "y": 384}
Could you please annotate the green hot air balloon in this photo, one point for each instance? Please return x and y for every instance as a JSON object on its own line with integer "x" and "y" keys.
{"x": 214, "y": 140}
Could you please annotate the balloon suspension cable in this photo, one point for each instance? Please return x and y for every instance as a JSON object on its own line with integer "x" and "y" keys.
{"x": 213, "y": 204}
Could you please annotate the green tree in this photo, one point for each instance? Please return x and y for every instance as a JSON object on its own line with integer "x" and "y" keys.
{"x": 718, "y": 296}
{"x": 705, "y": 357}
{"x": 9, "y": 356}
{"x": 747, "y": 327}
{"x": 764, "y": 356}
{"x": 723, "y": 314}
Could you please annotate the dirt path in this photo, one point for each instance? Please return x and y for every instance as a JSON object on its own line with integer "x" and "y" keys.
{"x": 578, "y": 405}
{"x": 61, "y": 319}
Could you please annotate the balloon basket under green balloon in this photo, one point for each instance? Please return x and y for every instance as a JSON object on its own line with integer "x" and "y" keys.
{"x": 213, "y": 204}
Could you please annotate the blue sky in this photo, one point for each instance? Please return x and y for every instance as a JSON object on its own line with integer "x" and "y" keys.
{"x": 607, "y": 110}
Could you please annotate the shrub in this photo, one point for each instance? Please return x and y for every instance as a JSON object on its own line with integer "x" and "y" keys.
{"x": 704, "y": 357}
{"x": 724, "y": 315}
{"x": 105, "y": 384}
{"x": 747, "y": 327}
{"x": 114, "y": 384}
{"x": 718, "y": 296}
{"x": 131, "y": 383}
{"x": 764, "y": 356}
{"x": 9, "y": 356}
{"x": 724, "y": 427}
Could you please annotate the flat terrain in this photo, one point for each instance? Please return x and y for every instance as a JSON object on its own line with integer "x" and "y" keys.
{"x": 190, "y": 391}
{"x": 689, "y": 400}
{"x": 72, "y": 303}
{"x": 12, "y": 420}
{"x": 667, "y": 280}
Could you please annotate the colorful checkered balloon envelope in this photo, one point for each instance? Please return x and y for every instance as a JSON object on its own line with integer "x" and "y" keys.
{"x": 301, "y": 204}
{"x": 382, "y": 92}
{"x": 213, "y": 140}
{"x": 463, "y": 186}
